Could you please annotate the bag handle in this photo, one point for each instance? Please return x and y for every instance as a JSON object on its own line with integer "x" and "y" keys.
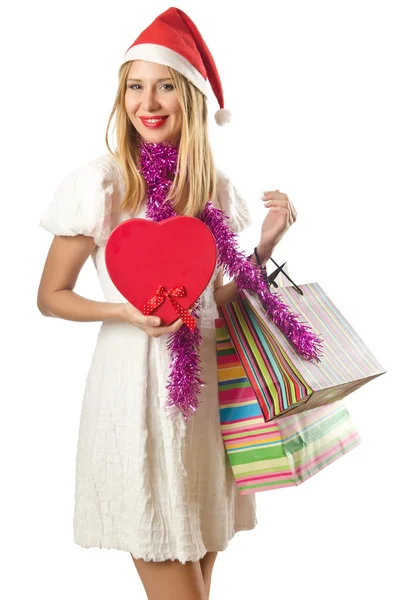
{"x": 271, "y": 278}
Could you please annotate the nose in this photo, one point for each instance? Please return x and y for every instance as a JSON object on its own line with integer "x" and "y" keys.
{"x": 149, "y": 100}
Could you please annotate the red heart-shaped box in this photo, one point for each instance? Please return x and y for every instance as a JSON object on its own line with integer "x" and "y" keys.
{"x": 141, "y": 255}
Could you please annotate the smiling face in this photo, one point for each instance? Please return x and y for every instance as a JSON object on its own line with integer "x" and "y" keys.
{"x": 151, "y": 103}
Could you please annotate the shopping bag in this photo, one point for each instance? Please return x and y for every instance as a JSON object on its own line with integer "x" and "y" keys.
{"x": 280, "y": 453}
{"x": 282, "y": 380}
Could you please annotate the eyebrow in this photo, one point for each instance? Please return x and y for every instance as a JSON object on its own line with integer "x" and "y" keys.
{"x": 163, "y": 79}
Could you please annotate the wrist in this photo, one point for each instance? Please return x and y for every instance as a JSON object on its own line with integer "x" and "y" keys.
{"x": 264, "y": 252}
{"x": 114, "y": 311}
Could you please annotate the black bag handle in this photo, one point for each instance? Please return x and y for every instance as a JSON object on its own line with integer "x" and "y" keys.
{"x": 271, "y": 278}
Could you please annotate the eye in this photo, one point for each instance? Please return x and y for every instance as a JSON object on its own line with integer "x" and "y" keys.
{"x": 134, "y": 85}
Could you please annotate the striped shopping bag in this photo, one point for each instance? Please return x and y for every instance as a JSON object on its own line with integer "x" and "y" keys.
{"x": 284, "y": 452}
{"x": 282, "y": 381}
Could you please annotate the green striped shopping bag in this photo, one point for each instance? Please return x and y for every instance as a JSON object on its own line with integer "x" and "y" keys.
{"x": 283, "y": 382}
{"x": 284, "y": 452}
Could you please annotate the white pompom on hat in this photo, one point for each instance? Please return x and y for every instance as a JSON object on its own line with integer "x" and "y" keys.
{"x": 172, "y": 39}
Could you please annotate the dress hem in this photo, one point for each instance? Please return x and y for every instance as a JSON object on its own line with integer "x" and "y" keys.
{"x": 155, "y": 558}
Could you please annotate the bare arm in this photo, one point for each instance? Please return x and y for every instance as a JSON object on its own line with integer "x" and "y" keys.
{"x": 224, "y": 294}
{"x": 56, "y": 298}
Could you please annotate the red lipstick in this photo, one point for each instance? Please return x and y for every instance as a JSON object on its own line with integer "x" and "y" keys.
{"x": 153, "y": 122}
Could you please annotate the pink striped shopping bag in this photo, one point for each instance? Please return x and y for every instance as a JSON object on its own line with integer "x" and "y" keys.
{"x": 282, "y": 381}
{"x": 279, "y": 453}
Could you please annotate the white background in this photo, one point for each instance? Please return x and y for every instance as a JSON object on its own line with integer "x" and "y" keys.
{"x": 311, "y": 86}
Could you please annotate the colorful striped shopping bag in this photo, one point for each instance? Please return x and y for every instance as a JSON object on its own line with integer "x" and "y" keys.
{"x": 283, "y": 381}
{"x": 285, "y": 451}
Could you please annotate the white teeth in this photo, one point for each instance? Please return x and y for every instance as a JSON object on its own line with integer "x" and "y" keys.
{"x": 153, "y": 120}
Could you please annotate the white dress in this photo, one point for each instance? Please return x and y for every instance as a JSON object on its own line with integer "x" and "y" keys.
{"x": 156, "y": 487}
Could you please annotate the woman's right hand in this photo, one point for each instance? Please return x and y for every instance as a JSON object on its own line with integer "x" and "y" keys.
{"x": 150, "y": 323}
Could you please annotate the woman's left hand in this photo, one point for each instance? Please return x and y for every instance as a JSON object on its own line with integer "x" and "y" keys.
{"x": 280, "y": 217}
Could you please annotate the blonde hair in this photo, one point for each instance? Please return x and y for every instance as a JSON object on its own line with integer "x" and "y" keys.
{"x": 197, "y": 173}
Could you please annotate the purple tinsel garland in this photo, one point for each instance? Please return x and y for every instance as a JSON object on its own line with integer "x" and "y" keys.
{"x": 158, "y": 162}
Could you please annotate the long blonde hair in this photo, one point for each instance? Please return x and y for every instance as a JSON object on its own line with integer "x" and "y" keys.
{"x": 197, "y": 173}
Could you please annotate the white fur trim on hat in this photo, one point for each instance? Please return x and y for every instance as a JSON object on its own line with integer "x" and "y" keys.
{"x": 223, "y": 116}
{"x": 165, "y": 56}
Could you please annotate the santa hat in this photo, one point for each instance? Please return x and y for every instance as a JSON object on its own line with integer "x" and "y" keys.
{"x": 172, "y": 39}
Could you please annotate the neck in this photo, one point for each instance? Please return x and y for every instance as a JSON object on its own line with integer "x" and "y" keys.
{"x": 166, "y": 144}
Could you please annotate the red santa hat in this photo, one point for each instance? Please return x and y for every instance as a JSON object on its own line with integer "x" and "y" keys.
{"x": 172, "y": 39}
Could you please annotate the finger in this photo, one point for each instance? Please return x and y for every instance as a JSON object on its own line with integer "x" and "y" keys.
{"x": 291, "y": 207}
{"x": 158, "y": 331}
{"x": 166, "y": 328}
{"x": 284, "y": 202}
{"x": 267, "y": 196}
{"x": 149, "y": 321}
{"x": 276, "y": 202}
{"x": 153, "y": 332}
{"x": 293, "y": 211}
{"x": 272, "y": 201}
{"x": 273, "y": 194}
{"x": 175, "y": 325}
{"x": 152, "y": 321}
{"x": 276, "y": 196}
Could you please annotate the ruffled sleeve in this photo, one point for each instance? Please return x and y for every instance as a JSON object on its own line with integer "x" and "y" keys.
{"x": 229, "y": 199}
{"x": 82, "y": 204}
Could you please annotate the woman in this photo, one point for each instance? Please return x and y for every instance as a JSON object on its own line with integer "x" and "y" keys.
{"x": 161, "y": 489}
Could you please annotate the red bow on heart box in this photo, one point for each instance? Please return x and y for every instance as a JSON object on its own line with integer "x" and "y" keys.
{"x": 162, "y": 267}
